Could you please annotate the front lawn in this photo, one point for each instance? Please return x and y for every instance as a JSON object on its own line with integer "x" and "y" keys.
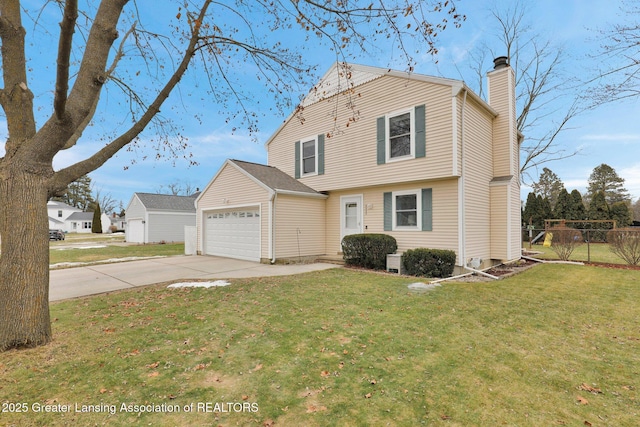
{"x": 555, "y": 345}
{"x": 101, "y": 252}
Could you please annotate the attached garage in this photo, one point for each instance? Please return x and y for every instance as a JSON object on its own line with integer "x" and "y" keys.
{"x": 233, "y": 233}
{"x": 256, "y": 212}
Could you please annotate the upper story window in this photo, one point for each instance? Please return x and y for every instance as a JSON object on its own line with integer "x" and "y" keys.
{"x": 59, "y": 214}
{"x": 309, "y": 157}
{"x": 401, "y": 135}
{"x": 400, "y": 141}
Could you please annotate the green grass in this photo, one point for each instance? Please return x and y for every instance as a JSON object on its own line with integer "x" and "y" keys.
{"x": 345, "y": 347}
{"x": 109, "y": 252}
{"x": 596, "y": 252}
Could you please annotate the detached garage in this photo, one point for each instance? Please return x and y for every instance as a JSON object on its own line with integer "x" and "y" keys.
{"x": 258, "y": 213}
{"x": 154, "y": 218}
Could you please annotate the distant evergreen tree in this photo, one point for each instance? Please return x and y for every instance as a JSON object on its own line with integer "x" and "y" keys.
{"x": 545, "y": 209}
{"x": 562, "y": 209}
{"x": 599, "y": 210}
{"x": 548, "y": 186}
{"x": 96, "y": 224}
{"x": 78, "y": 194}
{"x": 621, "y": 213}
{"x": 604, "y": 178}
{"x": 530, "y": 214}
{"x": 577, "y": 210}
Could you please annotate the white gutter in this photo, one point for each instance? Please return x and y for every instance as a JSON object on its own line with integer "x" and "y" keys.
{"x": 301, "y": 194}
{"x": 461, "y": 194}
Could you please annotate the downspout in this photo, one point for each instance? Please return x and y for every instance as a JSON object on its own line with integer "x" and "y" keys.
{"x": 272, "y": 205}
{"x": 463, "y": 237}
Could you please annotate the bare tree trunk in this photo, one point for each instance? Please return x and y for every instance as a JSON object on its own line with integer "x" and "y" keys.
{"x": 24, "y": 262}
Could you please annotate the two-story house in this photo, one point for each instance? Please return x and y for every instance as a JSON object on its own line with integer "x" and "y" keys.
{"x": 372, "y": 150}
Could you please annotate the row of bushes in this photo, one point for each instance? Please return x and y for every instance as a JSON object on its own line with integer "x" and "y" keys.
{"x": 371, "y": 250}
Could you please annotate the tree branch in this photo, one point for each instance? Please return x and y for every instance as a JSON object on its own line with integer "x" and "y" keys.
{"x": 63, "y": 177}
{"x": 82, "y": 126}
{"x": 67, "y": 27}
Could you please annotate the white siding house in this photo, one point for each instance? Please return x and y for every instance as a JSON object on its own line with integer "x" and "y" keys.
{"x": 154, "y": 218}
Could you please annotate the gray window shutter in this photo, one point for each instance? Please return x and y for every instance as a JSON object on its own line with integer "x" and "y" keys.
{"x": 420, "y": 138}
{"x": 297, "y": 167}
{"x": 427, "y": 209}
{"x": 388, "y": 218}
{"x": 321, "y": 154}
{"x": 381, "y": 140}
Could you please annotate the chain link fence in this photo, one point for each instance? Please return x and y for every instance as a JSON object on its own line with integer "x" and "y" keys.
{"x": 629, "y": 236}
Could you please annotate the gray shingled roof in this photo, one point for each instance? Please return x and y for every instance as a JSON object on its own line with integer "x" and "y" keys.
{"x": 273, "y": 177}
{"x": 167, "y": 202}
{"x": 81, "y": 216}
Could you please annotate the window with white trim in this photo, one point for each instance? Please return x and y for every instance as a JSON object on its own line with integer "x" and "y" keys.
{"x": 309, "y": 157}
{"x": 400, "y": 140}
{"x": 407, "y": 210}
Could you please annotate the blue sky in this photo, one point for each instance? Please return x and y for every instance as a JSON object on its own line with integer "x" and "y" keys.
{"x": 609, "y": 134}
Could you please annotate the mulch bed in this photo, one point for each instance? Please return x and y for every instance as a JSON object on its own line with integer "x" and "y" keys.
{"x": 616, "y": 266}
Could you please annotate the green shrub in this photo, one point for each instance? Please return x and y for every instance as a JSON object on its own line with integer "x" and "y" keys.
{"x": 429, "y": 262}
{"x": 368, "y": 250}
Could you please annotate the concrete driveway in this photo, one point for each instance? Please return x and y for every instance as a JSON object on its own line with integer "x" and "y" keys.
{"x": 100, "y": 278}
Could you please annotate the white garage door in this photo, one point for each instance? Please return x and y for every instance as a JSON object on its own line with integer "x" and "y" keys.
{"x": 233, "y": 234}
{"x": 135, "y": 231}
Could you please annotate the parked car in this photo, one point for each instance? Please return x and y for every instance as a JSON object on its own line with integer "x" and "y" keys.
{"x": 56, "y": 235}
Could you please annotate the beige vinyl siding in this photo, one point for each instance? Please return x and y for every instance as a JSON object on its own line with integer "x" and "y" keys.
{"x": 300, "y": 226}
{"x": 477, "y": 175}
{"x": 351, "y": 151}
{"x": 499, "y": 222}
{"x": 445, "y": 214}
{"x": 239, "y": 190}
{"x": 516, "y": 220}
{"x": 503, "y": 133}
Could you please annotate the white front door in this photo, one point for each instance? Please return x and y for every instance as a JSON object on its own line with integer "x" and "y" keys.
{"x": 350, "y": 215}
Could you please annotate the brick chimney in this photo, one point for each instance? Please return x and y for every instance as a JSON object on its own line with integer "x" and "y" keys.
{"x": 505, "y": 186}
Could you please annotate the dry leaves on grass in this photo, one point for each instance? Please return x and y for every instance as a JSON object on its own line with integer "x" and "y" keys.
{"x": 581, "y": 400}
{"x": 587, "y": 387}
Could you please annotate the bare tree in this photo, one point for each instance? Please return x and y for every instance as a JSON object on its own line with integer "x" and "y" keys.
{"x": 177, "y": 188}
{"x": 542, "y": 86}
{"x": 105, "y": 200}
{"x": 618, "y": 77}
{"x": 214, "y": 39}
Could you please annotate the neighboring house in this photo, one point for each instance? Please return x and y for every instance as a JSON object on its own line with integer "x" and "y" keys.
{"x": 81, "y": 222}
{"x": 117, "y": 222}
{"x": 158, "y": 217}
{"x": 422, "y": 158}
{"x": 58, "y": 213}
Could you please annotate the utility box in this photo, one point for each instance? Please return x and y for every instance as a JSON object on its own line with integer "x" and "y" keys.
{"x": 394, "y": 263}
